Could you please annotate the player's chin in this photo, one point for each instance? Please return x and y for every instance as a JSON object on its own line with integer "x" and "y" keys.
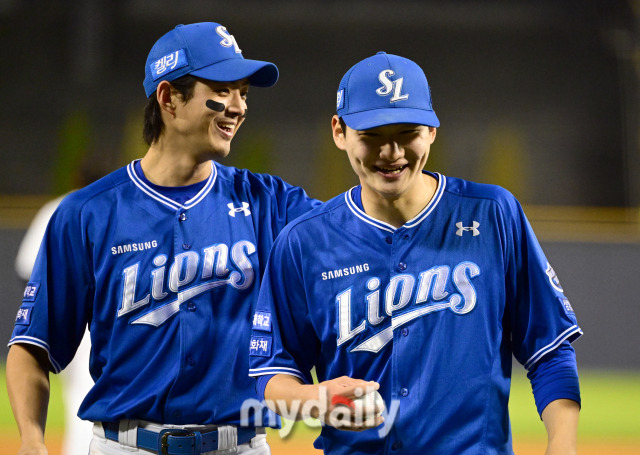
{"x": 220, "y": 149}
{"x": 391, "y": 190}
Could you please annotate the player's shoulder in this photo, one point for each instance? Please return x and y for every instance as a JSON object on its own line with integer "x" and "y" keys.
{"x": 77, "y": 199}
{"x": 461, "y": 188}
{"x": 314, "y": 220}
{"x": 255, "y": 180}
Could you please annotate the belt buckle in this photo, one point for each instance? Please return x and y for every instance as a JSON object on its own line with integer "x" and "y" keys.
{"x": 164, "y": 444}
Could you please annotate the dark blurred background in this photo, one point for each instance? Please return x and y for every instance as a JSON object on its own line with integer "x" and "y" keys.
{"x": 540, "y": 97}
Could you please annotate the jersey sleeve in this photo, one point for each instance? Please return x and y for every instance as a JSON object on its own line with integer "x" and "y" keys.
{"x": 539, "y": 315}
{"x": 555, "y": 377}
{"x": 55, "y": 309}
{"x": 290, "y": 201}
{"x": 283, "y": 340}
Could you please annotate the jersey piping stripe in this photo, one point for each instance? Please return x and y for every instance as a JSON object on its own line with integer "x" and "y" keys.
{"x": 168, "y": 201}
{"x": 553, "y": 345}
{"x": 363, "y": 216}
{"x": 442, "y": 181}
{"x": 39, "y": 343}
{"x": 253, "y": 372}
{"x": 424, "y": 213}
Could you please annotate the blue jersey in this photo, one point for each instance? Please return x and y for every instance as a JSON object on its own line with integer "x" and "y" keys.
{"x": 433, "y": 311}
{"x": 167, "y": 289}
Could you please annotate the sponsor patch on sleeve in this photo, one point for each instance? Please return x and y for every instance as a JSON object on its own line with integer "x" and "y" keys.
{"x": 565, "y": 303}
{"x": 260, "y": 346}
{"x": 553, "y": 278}
{"x": 262, "y": 321}
{"x": 30, "y": 292}
{"x": 24, "y": 315}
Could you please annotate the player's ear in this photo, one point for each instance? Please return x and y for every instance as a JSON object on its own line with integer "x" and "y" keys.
{"x": 338, "y": 132}
{"x": 432, "y": 133}
{"x": 165, "y": 99}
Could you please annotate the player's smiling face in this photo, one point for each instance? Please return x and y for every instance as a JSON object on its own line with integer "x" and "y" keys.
{"x": 206, "y": 130}
{"x": 389, "y": 159}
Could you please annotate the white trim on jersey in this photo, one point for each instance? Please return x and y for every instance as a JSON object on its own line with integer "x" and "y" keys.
{"x": 419, "y": 218}
{"x": 253, "y": 372}
{"x": 168, "y": 201}
{"x": 442, "y": 183}
{"x": 36, "y": 342}
{"x": 379, "y": 340}
{"x": 553, "y": 345}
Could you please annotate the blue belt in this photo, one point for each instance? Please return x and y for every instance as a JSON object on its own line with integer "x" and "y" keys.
{"x": 176, "y": 441}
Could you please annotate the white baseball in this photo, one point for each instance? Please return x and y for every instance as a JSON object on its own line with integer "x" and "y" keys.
{"x": 369, "y": 404}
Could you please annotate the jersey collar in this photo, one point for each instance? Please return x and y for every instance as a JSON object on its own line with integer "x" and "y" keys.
{"x": 142, "y": 185}
{"x": 419, "y": 218}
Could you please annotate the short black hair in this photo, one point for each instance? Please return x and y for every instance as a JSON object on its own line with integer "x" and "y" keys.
{"x": 343, "y": 125}
{"x": 153, "y": 124}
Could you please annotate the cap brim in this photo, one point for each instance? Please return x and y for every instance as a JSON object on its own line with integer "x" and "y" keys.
{"x": 379, "y": 117}
{"x": 260, "y": 74}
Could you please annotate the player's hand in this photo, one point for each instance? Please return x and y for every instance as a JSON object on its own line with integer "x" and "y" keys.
{"x": 37, "y": 448}
{"x": 338, "y": 395}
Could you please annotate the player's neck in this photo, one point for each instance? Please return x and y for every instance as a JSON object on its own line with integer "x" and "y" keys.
{"x": 170, "y": 169}
{"x": 397, "y": 210}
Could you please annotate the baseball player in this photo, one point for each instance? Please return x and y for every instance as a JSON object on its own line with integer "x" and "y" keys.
{"x": 162, "y": 259}
{"x": 417, "y": 284}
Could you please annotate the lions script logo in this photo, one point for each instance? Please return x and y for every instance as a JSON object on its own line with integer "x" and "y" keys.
{"x": 405, "y": 298}
{"x": 189, "y": 275}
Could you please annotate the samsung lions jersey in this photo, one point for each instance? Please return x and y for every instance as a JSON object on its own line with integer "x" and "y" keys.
{"x": 433, "y": 311}
{"x": 166, "y": 288}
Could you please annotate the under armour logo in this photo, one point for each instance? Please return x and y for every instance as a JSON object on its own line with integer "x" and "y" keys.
{"x": 389, "y": 86}
{"x": 462, "y": 228}
{"x": 244, "y": 209}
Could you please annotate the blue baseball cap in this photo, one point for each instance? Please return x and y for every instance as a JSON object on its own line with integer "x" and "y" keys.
{"x": 382, "y": 90}
{"x": 205, "y": 50}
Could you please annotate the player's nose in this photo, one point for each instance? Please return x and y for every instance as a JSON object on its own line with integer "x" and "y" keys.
{"x": 237, "y": 105}
{"x": 391, "y": 150}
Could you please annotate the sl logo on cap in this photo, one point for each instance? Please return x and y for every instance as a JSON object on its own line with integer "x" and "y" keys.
{"x": 389, "y": 86}
{"x": 228, "y": 39}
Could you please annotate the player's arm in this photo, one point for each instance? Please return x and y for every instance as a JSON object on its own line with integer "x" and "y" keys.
{"x": 28, "y": 388}
{"x": 290, "y": 397}
{"x": 560, "y": 419}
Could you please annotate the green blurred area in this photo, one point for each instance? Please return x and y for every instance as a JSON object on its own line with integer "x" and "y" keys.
{"x": 610, "y": 407}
